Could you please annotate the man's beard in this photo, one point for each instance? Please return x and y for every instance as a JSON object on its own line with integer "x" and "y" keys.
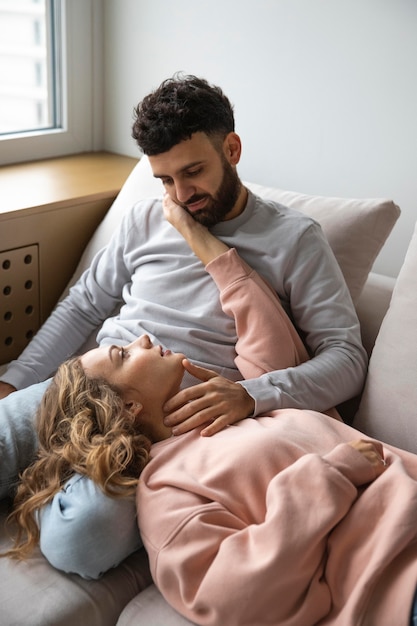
{"x": 221, "y": 203}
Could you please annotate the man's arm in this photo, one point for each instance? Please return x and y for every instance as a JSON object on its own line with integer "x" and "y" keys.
{"x": 322, "y": 308}
{"x": 323, "y": 312}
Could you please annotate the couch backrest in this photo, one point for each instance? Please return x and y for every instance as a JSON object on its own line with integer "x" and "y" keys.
{"x": 372, "y": 306}
{"x": 356, "y": 228}
{"x": 388, "y": 408}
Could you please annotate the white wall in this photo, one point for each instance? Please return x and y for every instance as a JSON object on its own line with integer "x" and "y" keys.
{"x": 325, "y": 91}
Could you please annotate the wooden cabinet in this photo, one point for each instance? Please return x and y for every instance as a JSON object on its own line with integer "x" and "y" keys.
{"x": 48, "y": 212}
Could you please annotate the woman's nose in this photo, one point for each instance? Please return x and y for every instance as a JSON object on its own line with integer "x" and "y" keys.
{"x": 143, "y": 341}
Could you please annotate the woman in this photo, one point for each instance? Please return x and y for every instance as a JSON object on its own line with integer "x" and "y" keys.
{"x": 102, "y": 411}
{"x": 290, "y": 519}
{"x": 287, "y": 519}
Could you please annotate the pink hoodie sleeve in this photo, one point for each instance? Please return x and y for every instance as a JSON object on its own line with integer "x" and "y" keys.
{"x": 217, "y": 569}
{"x": 267, "y": 340}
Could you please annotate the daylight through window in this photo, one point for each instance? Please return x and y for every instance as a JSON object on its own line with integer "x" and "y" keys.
{"x": 28, "y": 69}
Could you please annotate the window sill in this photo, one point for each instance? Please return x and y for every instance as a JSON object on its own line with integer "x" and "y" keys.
{"x": 64, "y": 181}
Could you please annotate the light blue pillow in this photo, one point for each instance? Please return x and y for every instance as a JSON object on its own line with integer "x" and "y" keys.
{"x": 18, "y": 439}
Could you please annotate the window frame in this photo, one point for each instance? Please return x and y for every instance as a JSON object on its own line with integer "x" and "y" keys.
{"x": 81, "y": 78}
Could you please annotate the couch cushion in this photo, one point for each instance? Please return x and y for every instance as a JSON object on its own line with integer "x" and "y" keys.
{"x": 355, "y": 228}
{"x": 139, "y": 185}
{"x": 372, "y": 306}
{"x": 150, "y": 609}
{"x": 388, "y": 406}
{"x": 33, "y": 593}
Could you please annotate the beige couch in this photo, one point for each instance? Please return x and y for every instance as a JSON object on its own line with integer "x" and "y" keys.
{"x": 34, "y": 594}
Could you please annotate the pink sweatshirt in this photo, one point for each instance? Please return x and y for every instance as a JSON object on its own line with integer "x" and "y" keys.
{"x": 275, "y": 520}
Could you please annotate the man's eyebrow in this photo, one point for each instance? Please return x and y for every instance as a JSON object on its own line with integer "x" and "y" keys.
{"x": 181, "y": 170}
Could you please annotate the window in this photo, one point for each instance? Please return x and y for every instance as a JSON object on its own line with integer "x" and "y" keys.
{"x": 29, "y": 71}
{"x": 47, "y": 78}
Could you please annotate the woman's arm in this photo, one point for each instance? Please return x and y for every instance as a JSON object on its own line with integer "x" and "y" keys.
{"x": 216, "y": 568}
{"x": 266, "y": 338}
{"x": 261, "y": 322}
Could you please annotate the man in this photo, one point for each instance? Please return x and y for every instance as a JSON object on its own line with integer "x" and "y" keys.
{"x": 186, "y": 127}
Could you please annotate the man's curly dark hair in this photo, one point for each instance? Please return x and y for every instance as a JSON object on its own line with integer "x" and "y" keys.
{"x": 179, "y": 107}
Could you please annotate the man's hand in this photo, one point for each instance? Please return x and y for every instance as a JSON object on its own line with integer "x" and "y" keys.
{"x": 216, "y": 401}
{"x": 6, "y": 389}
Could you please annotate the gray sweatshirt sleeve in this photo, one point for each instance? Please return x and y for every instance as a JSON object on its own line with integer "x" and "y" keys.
{"x": 324, "y": 314}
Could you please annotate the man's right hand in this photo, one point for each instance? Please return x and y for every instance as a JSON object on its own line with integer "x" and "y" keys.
{"x": 6, "y": 389}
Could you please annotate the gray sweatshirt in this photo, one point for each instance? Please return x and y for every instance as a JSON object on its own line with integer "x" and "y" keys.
{"x": 146, "y": 280}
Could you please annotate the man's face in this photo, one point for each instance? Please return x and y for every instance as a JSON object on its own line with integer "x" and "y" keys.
{"x": 200, "y": 178}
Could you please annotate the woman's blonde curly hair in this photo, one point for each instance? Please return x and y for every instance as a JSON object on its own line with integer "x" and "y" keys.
{"x": 83, "y": 427}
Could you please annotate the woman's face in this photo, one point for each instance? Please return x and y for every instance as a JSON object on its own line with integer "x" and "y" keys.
{"x": 143, "y": 373}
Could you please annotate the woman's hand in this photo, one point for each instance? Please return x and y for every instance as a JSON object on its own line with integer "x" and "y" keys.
{"x": 178, "y": 217}
{"x": 201, "y": 241}
{"x": 372, "y": 451}
{"x": 217, "y": 402}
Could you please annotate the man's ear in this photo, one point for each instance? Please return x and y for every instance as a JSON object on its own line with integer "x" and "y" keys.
{"x": 232, "y": 147}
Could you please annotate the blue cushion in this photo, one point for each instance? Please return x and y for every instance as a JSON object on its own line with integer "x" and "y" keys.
{"x": 18, "y": 440}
